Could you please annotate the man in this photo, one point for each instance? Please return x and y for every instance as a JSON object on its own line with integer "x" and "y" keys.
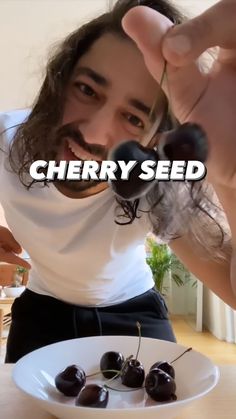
{"x": 88, "y": 274}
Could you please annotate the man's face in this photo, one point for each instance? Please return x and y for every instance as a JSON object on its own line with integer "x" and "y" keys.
{"x": 108, "y": 100}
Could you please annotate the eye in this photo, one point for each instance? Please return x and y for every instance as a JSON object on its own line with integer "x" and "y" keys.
{"x": 85, "y": 89}
{"x": 134, "y": 120}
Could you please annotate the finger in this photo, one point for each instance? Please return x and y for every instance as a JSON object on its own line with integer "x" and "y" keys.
{"x": 147, "y": 28}
{"x": 8, "y": 240}
{"x": 9, "y": 257}
{"x": 214, "y": 27}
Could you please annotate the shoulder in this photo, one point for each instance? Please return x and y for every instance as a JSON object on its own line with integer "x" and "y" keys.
{"x": 9, "y": 121}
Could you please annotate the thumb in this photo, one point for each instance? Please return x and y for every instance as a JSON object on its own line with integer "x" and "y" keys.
{"x": 215, "y": 27}
{"x": 8, "y": 242}
{"x": 147, "y": 28}
{"x": 12, "y": 258}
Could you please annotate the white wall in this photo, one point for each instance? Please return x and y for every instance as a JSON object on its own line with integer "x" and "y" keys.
{"x": 27, "y": 30}
{"x": 218, "y": 317}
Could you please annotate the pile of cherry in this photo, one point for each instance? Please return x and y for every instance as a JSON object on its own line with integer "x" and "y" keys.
{"x": 159, "y": 382}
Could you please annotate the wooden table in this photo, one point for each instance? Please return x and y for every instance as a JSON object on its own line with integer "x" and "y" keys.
{"x": 219, "y": 404}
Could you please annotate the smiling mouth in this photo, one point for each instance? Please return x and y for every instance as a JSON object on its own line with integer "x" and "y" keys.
{"x": 73, "y": 151}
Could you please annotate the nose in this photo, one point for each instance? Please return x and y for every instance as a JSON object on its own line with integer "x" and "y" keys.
{"x": 99, "y": 128}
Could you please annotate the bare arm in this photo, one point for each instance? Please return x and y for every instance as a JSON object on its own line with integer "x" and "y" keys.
{"x": 215, "y": 274}
{"x": 227, "y": 198}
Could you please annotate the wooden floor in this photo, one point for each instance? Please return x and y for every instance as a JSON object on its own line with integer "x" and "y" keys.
{"x": 220, "y": 352}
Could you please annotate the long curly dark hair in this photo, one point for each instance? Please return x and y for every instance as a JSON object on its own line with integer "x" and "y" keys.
{"x": 35, "y": 139}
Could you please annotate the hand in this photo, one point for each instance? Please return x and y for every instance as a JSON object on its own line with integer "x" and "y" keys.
{"x": 208, "y": 99}
{"x": 9, "y": 248}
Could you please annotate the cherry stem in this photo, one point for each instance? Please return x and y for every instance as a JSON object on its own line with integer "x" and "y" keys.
{"x": 113, "y": 378}
{"x": 139, "y": 342}
{"x": 101, "y": 371}
{"x": 123, "y": 390}
{"x": 187, "y": 350}
{"x": 126, "y": 362}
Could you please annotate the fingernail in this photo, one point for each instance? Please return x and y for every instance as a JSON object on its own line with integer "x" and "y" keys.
{"x": 179, "y": 44}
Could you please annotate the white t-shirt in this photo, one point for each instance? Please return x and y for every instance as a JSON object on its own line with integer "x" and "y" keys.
{"x": 78, "y": 253}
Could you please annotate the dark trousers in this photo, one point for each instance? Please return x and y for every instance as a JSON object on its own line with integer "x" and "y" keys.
{"x": 39, "y": 320}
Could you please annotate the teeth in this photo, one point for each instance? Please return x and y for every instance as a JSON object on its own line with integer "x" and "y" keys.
{"x": 78, "y": 153}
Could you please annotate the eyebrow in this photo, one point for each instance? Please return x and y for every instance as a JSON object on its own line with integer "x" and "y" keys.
{"x": 96, "y": 77}
{"x": 140, "y": 106}
{"x": 104, "y": 82}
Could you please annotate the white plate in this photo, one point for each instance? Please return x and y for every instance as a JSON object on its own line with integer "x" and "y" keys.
{"x": 34, "y": 374}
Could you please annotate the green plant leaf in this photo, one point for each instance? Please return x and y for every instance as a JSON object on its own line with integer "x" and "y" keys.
{"x": 161, "y": 261}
